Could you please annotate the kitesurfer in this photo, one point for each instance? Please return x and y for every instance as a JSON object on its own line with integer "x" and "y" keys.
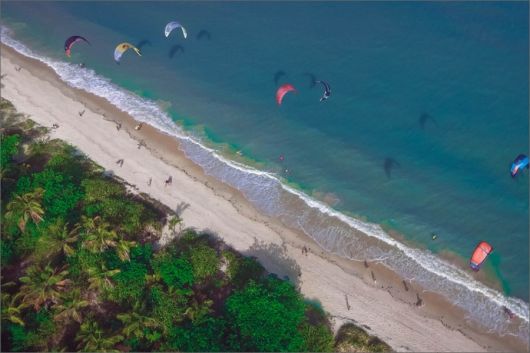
{"x": 171, "y": 26}
{"x": 518, "y": 164}
{"x": 70, "y": 42}
{"x": 122, "y": 48}
{"x": 282, "y": 91}
{"x": 479, "y": 255}
{"x": 327, "y": 90}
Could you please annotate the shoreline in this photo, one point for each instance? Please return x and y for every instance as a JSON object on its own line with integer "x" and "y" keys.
{"x": 391, "y": 313}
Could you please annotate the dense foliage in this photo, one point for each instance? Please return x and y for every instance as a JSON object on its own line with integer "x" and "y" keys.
{"x": 80, "y": 271}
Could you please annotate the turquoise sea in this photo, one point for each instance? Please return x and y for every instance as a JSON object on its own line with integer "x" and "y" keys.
{"x": 429, "y": 107}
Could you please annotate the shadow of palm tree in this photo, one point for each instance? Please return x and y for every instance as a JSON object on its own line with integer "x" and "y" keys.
{"x": 181, "y": 207}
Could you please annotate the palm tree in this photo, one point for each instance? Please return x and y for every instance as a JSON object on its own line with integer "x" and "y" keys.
{"x": 152, "y": 279}
{"x": 173, "y": 222}
{"x": 26, "y": 207}
{"x": 99, "y": 277}
{"x": 99, "y": 236}
{"x": 91, "y": 338}
{"x": 58, "y": 240}
{"x": 9, "y": 117}
{"x": 41, "y": 285}
{"x": 136, "y": 324}
{"x": 89, "y": 224}
{"x": 123, "y": 248}
{"x": 70, "y": 308}
{"x": 11, "y": 308}
{"x": 196, "y": 312}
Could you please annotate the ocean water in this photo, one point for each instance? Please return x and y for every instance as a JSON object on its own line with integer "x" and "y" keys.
{"x": 465, "y": 65}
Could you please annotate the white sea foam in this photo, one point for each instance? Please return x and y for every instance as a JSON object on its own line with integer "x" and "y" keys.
{"x": 331, "y": 229}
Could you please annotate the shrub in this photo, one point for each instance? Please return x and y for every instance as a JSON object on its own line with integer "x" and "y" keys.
{"x": 242, "y": 269}
{"x": 175, "y": 272}
{"x": 9, "y": 148}
{"x": 265, "y": 316}
{"x": 351, "y": 338}
{"x": 204, "y": 261}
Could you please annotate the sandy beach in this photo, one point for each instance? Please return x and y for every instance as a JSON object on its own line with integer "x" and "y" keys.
{"x": 405, "y": 316}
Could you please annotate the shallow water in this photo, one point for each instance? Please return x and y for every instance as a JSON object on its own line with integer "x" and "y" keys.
{"x": 463, "y": 64}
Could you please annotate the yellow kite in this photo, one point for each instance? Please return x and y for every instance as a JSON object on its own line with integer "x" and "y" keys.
{"x": 122, "y": 48}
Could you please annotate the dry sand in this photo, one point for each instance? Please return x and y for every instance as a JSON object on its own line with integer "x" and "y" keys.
{"x": 382, "y": 306}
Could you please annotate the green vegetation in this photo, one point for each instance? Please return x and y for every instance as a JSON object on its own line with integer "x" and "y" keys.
{"x": 80, "y": 271}
{"x": 351, "y": 338}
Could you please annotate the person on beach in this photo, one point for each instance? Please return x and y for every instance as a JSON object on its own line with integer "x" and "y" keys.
{"x": 169, "y": 181}
{"x": 81, "y": 112}
{"x": 508, "y": 312}
{"x": 141, "y": 143}
{"x": 18, "y": 68}
{"x": 149, "y": 182}
{"x": 419, "y": 301}
{"x": 120, "y": 162}
{"x": 55, "y": 126}
{"x": 118, "y": 126}
{"x": 139, "y": 126}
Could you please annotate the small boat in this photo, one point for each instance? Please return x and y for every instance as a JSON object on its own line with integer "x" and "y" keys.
{"x": 480, "y": 254}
